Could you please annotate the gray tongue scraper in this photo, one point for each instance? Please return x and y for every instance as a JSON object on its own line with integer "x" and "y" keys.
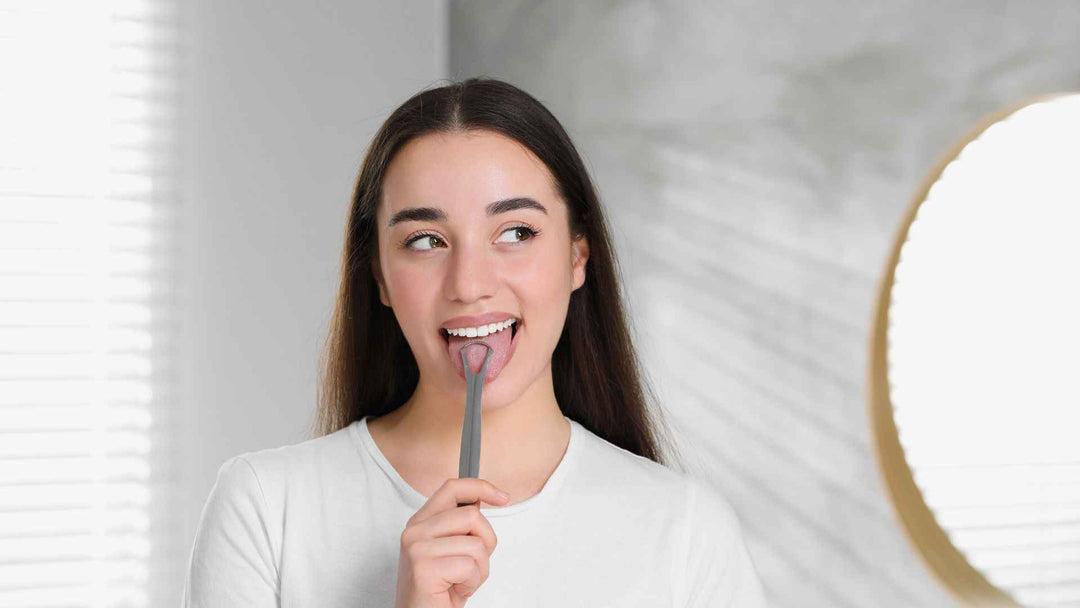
{"x": 469, "y": 463}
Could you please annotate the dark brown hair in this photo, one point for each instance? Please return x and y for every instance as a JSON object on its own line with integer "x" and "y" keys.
{"x": 367, "y": 367}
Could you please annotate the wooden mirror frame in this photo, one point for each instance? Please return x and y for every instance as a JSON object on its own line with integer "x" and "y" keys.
{"x": 950, "y": 566}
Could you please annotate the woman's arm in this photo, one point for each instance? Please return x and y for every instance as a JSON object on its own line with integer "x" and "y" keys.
{"x": 718, "y": 569}
{"x": 232, "y": 564}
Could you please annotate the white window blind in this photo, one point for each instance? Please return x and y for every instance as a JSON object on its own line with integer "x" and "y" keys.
{"x": 86, "y": 108}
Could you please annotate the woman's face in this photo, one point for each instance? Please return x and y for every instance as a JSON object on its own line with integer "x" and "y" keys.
{"x": 465, "y": 256}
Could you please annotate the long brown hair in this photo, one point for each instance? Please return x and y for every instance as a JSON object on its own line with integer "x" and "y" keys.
{"x": 367, "y": 367}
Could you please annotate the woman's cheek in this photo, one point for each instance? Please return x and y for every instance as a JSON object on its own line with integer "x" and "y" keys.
{"x": 410, "y": 296}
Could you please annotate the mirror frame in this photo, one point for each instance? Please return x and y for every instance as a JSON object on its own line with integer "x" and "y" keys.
{"x": 967, "y": 583}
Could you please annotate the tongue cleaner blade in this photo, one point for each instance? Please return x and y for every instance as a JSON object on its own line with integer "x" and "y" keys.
{"x": 469, "y": 462}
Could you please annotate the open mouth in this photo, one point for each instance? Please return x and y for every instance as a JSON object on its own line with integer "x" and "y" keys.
{"x": 501, "y": 344}
{"x": 513, "y": 332}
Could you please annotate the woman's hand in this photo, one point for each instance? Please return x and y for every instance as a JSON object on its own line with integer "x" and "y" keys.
{"x": 445, "y": 547}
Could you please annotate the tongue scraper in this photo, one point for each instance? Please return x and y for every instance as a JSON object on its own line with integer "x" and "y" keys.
{"x": 469, "y": 463}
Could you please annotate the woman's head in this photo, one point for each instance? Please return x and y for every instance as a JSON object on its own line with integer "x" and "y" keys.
{"x": 472, "y": 199}
{"x": 471, "y": 222}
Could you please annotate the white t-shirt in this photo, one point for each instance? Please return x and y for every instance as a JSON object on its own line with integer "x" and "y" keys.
{"x": 319, "y": 523}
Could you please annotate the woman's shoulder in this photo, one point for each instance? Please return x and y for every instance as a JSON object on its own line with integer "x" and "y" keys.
{"x": 618, "y": 472}
{"x": 608, "y": 463}
{"x": 298, "y": 460}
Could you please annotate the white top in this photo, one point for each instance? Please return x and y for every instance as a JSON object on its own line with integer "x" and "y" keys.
{"x": 319, "y": 523}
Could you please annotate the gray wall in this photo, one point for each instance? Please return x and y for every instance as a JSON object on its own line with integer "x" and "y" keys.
{"x": 755, "y": 159}
{"x": 279, "y": 101}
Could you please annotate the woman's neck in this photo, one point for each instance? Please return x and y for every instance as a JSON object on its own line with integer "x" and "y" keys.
{"x": 521, "y": 443}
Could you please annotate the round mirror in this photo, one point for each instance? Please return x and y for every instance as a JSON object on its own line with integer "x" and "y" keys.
{"x": 974, "y": 376}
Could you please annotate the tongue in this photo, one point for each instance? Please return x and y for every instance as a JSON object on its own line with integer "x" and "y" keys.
{"x": 500, "y": 344}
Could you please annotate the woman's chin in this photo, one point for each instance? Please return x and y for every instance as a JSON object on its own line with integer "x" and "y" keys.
{"x": 491, "y": 394}
{"x": 503, "y": 391}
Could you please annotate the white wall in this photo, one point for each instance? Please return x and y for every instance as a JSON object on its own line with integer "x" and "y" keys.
{"x": 755, "y": 159}
{"x": 771, "y": 148}
{"x": 278, "y": 101}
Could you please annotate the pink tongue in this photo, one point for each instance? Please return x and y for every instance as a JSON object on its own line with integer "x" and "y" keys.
{"x": 499, "y": 341}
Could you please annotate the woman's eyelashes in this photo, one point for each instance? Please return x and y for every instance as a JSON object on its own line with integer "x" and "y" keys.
{"x": 419, "y": 237}
{"x": 532, "y": 232}
{"x": 430, "y": 237}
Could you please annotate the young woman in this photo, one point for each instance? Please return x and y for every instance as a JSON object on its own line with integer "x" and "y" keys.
{"x": 472, "y": 212}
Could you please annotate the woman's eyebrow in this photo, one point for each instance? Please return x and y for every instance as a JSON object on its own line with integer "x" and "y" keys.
{"x": 434, "y": 214}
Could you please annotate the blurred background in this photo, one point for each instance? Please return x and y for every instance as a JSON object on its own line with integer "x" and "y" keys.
{"x": 174, "y": 182}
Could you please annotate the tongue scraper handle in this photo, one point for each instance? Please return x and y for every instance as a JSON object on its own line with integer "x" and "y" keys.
{"x": 469, "y": 463}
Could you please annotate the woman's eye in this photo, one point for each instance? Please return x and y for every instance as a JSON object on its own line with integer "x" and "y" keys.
{"x": 423, "y": 238}
{"x": 515, "y": 230}
{"x": 431, "y": 239}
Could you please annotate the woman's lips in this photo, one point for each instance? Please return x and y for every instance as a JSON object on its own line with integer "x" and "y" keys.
{"x": 502, "y": 343}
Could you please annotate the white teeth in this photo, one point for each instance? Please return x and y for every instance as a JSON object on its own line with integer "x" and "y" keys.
{"x": 482, "y": 330}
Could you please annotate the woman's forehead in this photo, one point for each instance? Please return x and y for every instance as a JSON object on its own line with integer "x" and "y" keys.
{"x": 463, "y": 173}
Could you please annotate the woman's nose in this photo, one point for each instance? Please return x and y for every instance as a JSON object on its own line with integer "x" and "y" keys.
{"x": 471, "y": 275}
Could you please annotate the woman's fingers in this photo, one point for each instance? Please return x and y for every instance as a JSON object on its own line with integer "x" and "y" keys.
{"x": 457, "y": 546}
{"x": 460, "y": 521}
{"x": 456, "y": 492}
{"x": 445, "y": 547}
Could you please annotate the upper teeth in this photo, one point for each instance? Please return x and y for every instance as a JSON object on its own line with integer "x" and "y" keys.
{"x": 482, "y": 330}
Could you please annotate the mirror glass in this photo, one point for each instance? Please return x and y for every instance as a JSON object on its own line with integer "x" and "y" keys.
{"x": 982, "y": 353}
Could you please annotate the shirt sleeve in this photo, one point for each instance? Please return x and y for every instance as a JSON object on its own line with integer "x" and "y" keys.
{"x": 232, "y": 562}
{"x": 718, "y": 570}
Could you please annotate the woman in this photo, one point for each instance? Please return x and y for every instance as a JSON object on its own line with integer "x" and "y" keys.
{"x": 473, "y": 214}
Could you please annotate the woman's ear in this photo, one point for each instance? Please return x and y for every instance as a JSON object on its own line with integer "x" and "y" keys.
{"x": 377, "y": 273}
{"x": 579, "y": 249}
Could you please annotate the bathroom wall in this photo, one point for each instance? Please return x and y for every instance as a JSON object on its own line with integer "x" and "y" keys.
{"x": 279, "y": 101}
{"x": 754, "y": 159}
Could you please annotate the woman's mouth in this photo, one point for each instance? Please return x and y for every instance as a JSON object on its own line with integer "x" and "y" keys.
{"x": 513, "y": 327}
{"x": 502, "y": 342}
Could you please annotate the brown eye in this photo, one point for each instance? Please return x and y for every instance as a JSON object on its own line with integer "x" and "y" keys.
{"x": 518, "y": 231}
{"x": 422, "y": 238}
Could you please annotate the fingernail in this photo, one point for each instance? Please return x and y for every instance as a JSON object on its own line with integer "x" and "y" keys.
{"x": 503, "y": 495}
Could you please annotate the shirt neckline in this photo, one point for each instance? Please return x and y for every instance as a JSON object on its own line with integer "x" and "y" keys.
{"x": 360, "y": 434}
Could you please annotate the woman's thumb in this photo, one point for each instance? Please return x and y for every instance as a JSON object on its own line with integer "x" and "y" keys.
{"x": 459, "y": 593}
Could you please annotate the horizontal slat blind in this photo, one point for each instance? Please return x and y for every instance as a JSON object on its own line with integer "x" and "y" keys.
{"x": 85, "y": 115}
